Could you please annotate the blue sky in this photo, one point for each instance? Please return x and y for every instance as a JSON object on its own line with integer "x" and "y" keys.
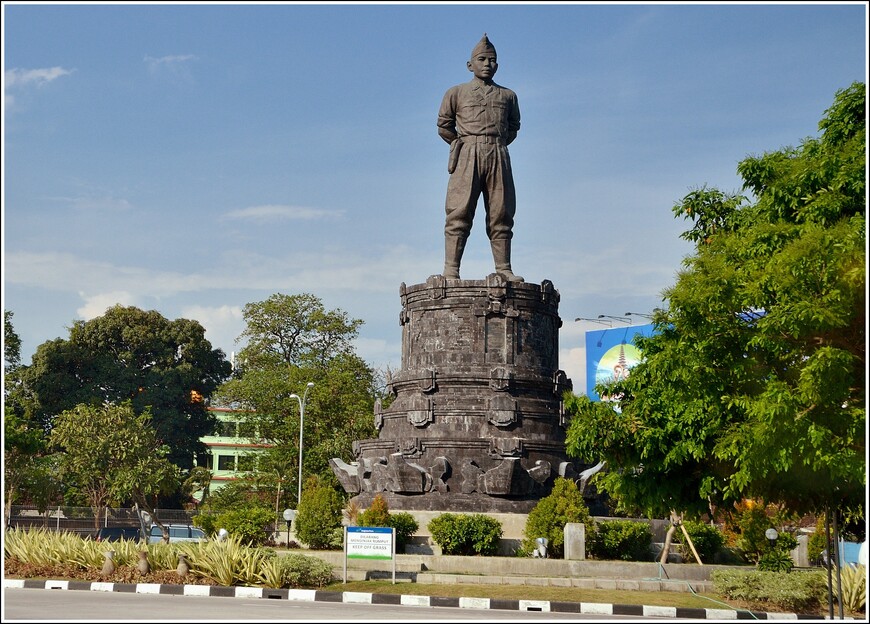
{"x": 191, "y": 159}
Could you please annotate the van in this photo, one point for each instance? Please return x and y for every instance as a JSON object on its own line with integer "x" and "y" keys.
{"x": 177, "y": 533}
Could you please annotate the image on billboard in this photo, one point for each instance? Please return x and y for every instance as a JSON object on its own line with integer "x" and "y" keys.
{"x": 610, "y": 355}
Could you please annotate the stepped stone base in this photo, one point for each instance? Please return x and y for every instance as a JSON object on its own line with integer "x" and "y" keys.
{"x": 476, "y": 423}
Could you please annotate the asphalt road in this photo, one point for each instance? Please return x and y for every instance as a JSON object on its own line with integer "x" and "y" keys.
{"x": 52, "y": 605}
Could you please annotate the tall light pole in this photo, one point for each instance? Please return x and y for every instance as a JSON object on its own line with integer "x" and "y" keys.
{"x": 301, "y": 400}
{"x": 615, "y": 318}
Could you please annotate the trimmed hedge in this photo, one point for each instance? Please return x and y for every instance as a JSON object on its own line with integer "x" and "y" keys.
{"x": 623, "y": 540}
{"x": 466, "y": 534}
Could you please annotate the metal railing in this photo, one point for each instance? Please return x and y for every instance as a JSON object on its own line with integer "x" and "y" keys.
{"x": 81, "y": 519}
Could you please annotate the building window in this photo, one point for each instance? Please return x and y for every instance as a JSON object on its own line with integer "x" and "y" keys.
{"x": 246, "y": 463}
{"x": 226, "y": 462}
{"x": 227, "y": 429}
{"x": 247, "y": 430}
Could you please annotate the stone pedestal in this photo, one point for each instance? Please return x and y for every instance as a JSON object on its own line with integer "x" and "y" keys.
{"x": 575, "y": 541}
{"x": 476, "y": 424}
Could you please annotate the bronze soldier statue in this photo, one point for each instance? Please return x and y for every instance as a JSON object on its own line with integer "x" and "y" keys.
{"x": 479, "y": 119}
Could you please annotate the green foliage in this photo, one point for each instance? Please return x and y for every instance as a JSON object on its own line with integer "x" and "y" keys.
{"x": 624, "y": 540}
{"x": 112, "y": 454}
{"x": 817, "y": 541}
{"x": 752, "y": 521}
{"x": 466, "y": 534}
{"x": 294, "y": 340}
{"x": 11, "y": 343}
{"x": 379, "y": 515}
{"x": 229, "y": 563}
{"x": 548, "y": 518}
{"x": 754, "y": 383}
{"x": 130, "y": 354}
{"x": 319, "y": 516}
{"x": 800, "y": 592}
{"x": 708, "y": 541}
{"x": 295, "y": 570}
{"x": 854, "y": 587}
{"x": 251, "y": 526}
{"x": 775, "y": 560}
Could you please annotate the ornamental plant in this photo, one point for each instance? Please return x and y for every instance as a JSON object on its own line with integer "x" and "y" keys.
{"x": 548, "y": 518}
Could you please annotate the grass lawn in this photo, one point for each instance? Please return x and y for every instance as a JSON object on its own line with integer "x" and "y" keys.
{"x": 533, "y": 592}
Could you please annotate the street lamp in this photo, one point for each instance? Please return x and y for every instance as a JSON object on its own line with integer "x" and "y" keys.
{"x": 308, "y": 387}
{"x": 771, "y": 534}
{"x": 615, "y": 318}
{"x": 637, "y": 314}
{"x": 598, "y": 320}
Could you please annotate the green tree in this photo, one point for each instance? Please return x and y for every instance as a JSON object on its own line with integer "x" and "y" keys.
{"x": 754, "y": 384}
{"x": 111, "y": 454}
{"x": 318, "y": 521}
{"x": 132, "y": 355}
{"x": 26, "y": 468}
{"x": 293, "y": 340}
{"x": 11, "y": 343}
{"x": 548, "y": 518}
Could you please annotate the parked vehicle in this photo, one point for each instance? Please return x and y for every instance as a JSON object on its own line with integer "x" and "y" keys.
{"x": 177, "y": 533}
{"x": 116, "y": 534}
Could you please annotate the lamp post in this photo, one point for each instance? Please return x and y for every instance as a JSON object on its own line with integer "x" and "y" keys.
{"x": 615, "y": 318}
{"x": 598, "y": 320}
{"x": 637, "y": 314}
{"x": 301, "y": 400}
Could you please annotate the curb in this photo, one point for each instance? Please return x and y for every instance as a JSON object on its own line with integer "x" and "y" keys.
{"x": 314, "y": 595}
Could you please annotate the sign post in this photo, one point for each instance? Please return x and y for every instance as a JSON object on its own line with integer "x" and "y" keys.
{"x": 373, "y": 543}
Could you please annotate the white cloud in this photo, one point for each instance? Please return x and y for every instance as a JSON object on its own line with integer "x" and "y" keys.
{"x": 96, "y": 305}
{"x": 37, "y": 77}
{"x": 274, "y": 212}
{"x": 573, "y": 362}
{"x": 171, "y": 61}
{"x": 223, "y": 324}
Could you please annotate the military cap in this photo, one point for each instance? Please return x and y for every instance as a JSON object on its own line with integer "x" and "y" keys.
{"x": 483, "y": 46}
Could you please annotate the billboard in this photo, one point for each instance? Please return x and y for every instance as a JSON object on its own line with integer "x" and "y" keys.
{"x": 610, "y": 355}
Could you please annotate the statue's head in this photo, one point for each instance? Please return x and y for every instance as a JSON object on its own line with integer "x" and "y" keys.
{"x": 483, "y": 63}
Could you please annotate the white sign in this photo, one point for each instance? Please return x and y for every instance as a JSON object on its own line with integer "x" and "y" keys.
{"x": 369, "y": 543}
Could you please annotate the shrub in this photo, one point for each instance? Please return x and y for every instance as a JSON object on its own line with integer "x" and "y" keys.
{"x": 854, "y": 586}
{"x": 753, "y": 519}
{"x": 775, "y": 560}
{"x": 319, "y": 516}
{"x": 817, "y": 541}
{"x": 801, "y": 592}
{"x": 207, "y": 522}
{"x": 295, "y": 570}
{"x": 466, "y": 534}
{"x": 621, "y": 539}
{"x": 378, "y": 515}
{"x": 548, "y": 518}
{"x": 708, "y": 541}
{"x": 406, "y": 525}
{"x": 251, "y": 526}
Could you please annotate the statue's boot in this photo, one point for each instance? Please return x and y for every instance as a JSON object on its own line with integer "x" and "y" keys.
{"x": 501, "y": 252}
{"x": 453, "y": 248}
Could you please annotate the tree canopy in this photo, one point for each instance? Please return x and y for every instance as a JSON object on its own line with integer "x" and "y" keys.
{"x": 754, "y": 382}
{"x": 294, "y": 340}
{"x": 111, "y": 454}
{"x": 132, "y": 355}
